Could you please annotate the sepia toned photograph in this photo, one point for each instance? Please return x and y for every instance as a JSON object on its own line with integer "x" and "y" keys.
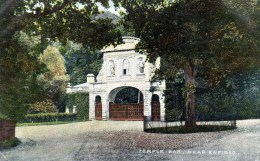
{"x": 129, "y": 80}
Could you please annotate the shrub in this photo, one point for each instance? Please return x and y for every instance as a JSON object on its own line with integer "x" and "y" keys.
{"x": 173, "y": 115}
{"x": 49, "y": 117}
{"x": 45, "y": 106}
{"x": 9, "y": 143}
{"x": 184, "y": 129}
{"x": 81, "y": 101}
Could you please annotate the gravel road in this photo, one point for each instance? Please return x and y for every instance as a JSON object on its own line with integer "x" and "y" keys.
{"x": 125, "y": 140}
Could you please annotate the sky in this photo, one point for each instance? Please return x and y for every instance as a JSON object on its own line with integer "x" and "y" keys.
{"x": 111, "y": 9}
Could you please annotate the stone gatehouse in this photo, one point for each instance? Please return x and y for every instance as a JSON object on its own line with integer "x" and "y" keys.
{"x": 124, "y": 68}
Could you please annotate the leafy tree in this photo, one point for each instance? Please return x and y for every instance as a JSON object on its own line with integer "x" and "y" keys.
{"x": 62, "y": 19}
{"x": 80, "y": 62}
{"x": 236, "y": 95}
{"x": 54, "y": 81}
{"x": 202, "y": 37}
{"x": 18, "y": 77}
{"x": 129, "y": 95}
{"x": 48, "y": 19}
{"x": 45, "y": 106}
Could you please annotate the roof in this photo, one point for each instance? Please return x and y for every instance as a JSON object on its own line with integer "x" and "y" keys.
{"x": 81, "y": 85}
{"x": 84, "y": 87}
{"x": 129, "y": 43}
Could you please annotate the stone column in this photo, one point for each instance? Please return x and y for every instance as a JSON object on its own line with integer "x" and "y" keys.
{"x": 90, "y": 78}
{"x": 147, "y": 103}
{"x": 91, "y": 103}
{"x": 74, "y": 109}
{"x": 162, "y": 108}
{"x": 67, "y": 110}
{"x": 105, "y": 106}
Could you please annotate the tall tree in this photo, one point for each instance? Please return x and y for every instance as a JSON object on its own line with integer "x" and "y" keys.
{"x": 54, "y": 81}
{"x": 196, "y": 36}
{"x": 63, "y": 19}
{"x": 49, "y": 19}
{"x": 18, "y": 76}
{"x": 81, "y": 61}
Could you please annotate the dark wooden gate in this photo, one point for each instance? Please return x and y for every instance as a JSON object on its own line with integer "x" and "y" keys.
{"x": 133, "y": 112}
{"x": 98, "y": 111}
{"x": 156, "y": 114}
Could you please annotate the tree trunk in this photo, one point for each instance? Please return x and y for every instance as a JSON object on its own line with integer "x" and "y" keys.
{"x": 190, "y": 73}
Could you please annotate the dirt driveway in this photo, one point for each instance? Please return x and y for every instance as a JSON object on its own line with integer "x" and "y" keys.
{"x": 124, "y": 140}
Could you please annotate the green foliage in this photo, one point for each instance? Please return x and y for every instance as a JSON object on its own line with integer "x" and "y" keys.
{"x": 173, "y": 114}
{"x": 128, "y": 95}
{"x": 18, "y": 76}
{"x": 44, "y": 123}
{"x": 80, "y": 62}
{"x": 174, "y": 101}
{"x": 54, "y": 80}
{"x": 49, "y": 117}
{"x": 63, "y": 20}
{"x": 80, "y": 100}
{"x": 202, "y": 33}
{"x": 55, "y": 63}
{"x": 185, "y": 130}
{"x": 236, "y": 96}
{"x": 9, "y": 143}
{"x": 45, "y": 106}
{"x": 201, "y": 37}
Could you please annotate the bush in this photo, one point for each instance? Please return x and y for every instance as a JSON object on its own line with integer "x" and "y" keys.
{"x": 45, "y": 106}
{"x": 49, "y": 117}
{"x": 81, "y": 101}
{"x": 173, "y": 115}
{"x": 9, "y": 143}
{"x": 184, "y": 129}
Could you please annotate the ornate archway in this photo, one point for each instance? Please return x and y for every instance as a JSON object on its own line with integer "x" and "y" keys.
{"x": 126, "y": 103}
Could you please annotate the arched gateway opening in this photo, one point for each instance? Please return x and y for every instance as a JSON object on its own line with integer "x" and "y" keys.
{"x": 156, "y": 116}
{"x": 98, "y": 108}
{"x": 126, "y": 103}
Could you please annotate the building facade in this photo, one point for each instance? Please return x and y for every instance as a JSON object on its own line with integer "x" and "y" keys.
{"x": 123, "y": 68}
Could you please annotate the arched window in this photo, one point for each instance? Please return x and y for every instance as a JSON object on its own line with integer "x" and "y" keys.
{"x": 125, "y": 67}
{"x": 111, "y": 67}
{"x": 140, "y": 65}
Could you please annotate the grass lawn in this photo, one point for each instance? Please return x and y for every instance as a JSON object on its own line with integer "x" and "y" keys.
{"x": 45, "y": 123}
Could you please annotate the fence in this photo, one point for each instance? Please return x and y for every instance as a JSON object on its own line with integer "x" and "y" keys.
{"x": 225, "y": 122}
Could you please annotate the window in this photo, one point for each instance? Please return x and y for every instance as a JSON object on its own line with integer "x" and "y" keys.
{"x": 125, "y": 67}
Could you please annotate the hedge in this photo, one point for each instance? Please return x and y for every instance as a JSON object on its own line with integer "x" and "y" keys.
{"x": 81, "y": 101}
{"x": 49, "y": 117}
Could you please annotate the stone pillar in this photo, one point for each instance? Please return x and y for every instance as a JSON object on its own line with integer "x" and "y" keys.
{"x": 162, "y": 108}
{"x": 147, "y": 103}
{"x": 68, "y": 88}
{"x": 74, "y": 109}
{"x": 105, "y": 106}
{"x": 91, "y": 103}
{"x": 90, "y": 78}
{"x": 67, "y": 110}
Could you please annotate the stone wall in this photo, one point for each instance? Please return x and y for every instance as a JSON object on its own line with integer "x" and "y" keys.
{"x": 7, "y": 129}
